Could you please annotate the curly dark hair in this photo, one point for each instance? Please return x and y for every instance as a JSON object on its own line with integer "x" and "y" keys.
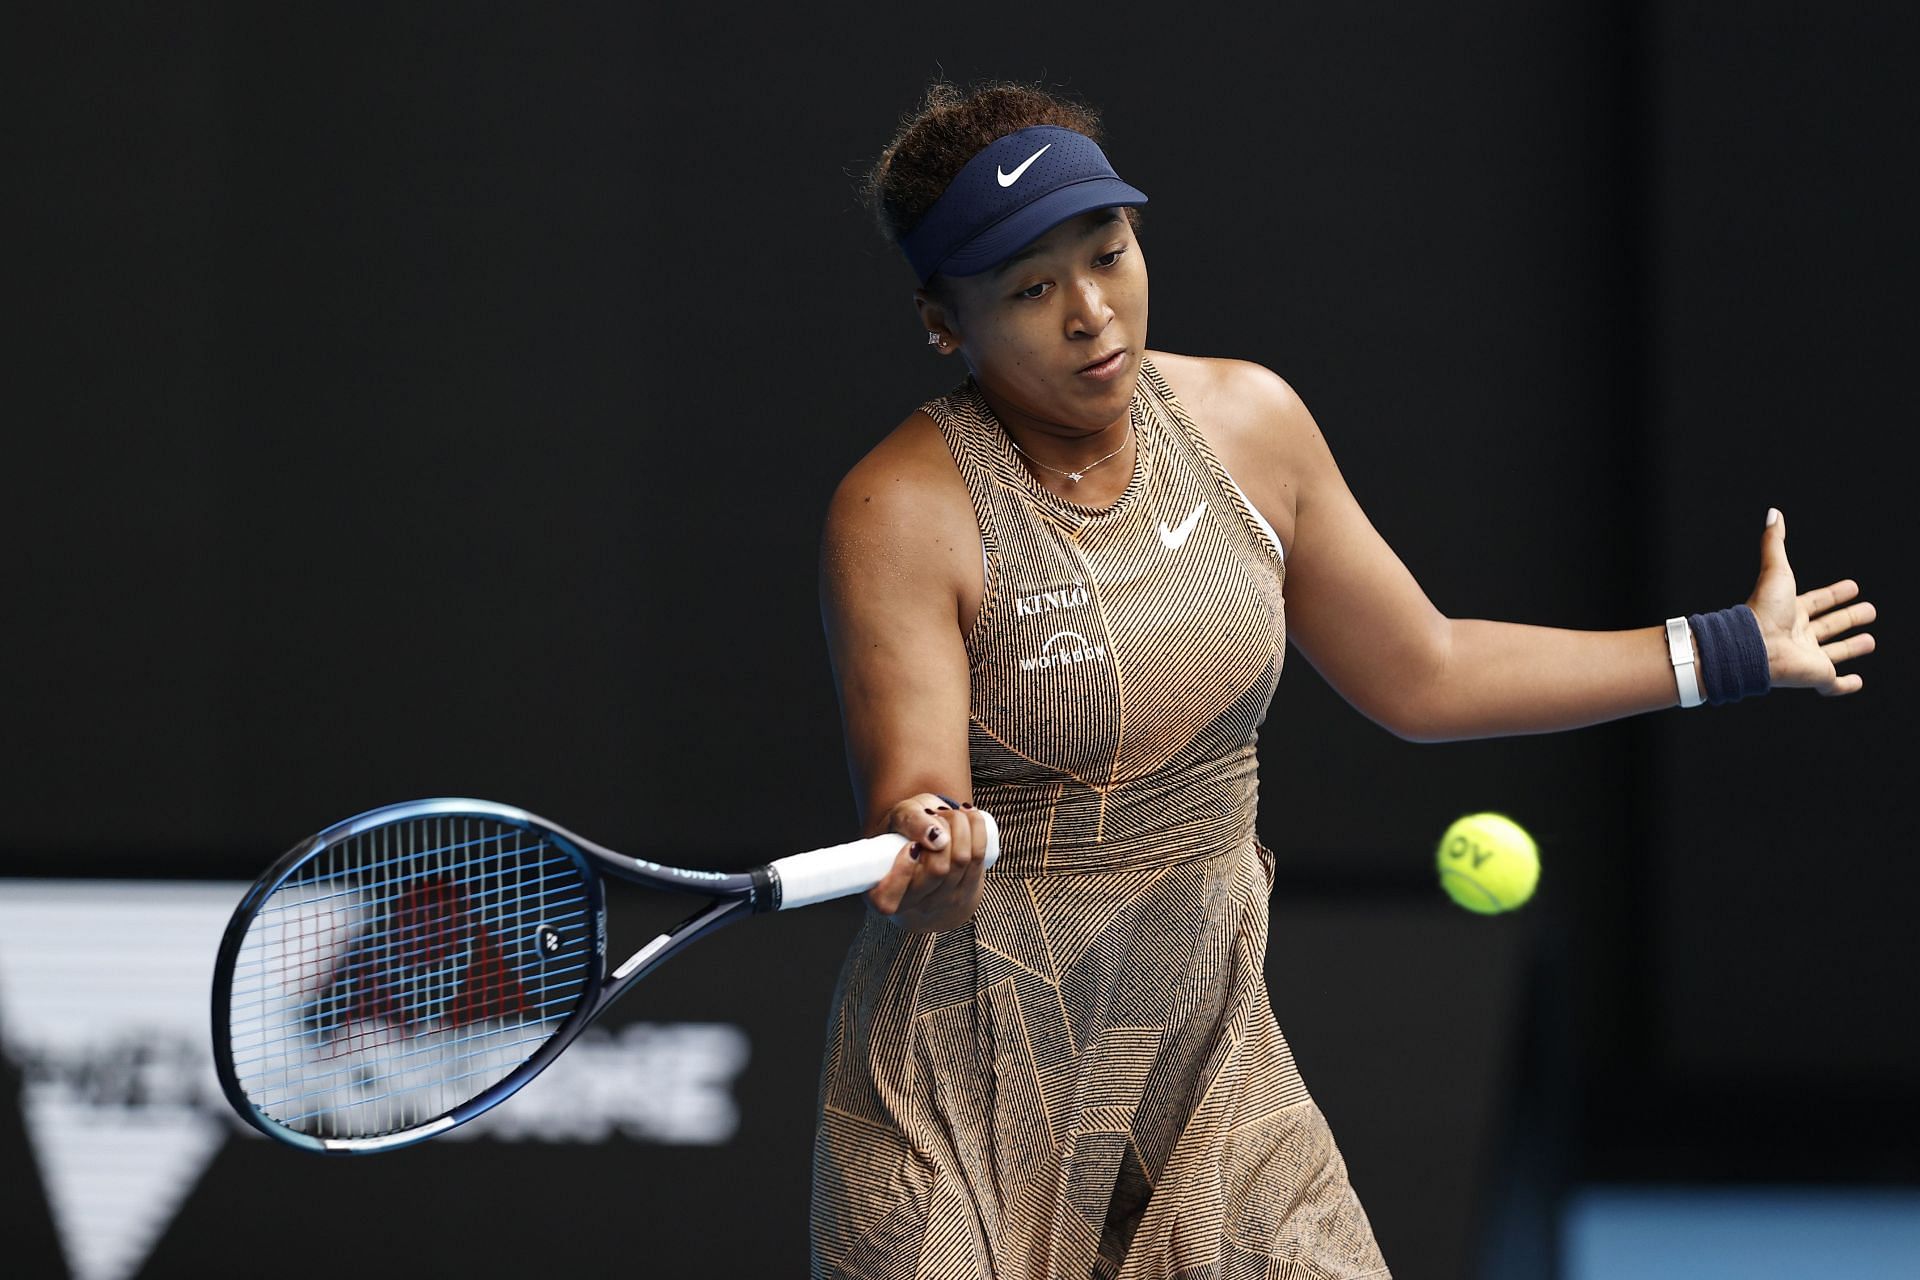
{"x": 950, "y": 126}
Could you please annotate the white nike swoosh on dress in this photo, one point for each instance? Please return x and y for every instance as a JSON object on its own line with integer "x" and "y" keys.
{"x": 1008, "y": 179}
{"x": 1174, "y": 539}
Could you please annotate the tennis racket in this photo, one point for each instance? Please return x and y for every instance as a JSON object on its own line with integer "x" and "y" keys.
{"x": 406, "y": 970}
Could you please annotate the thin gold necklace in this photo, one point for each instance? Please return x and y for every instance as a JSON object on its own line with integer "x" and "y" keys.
{"x": 1081, "y": 474}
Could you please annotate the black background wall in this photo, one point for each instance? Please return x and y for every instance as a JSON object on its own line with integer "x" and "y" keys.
{"x": 444, "y": 399}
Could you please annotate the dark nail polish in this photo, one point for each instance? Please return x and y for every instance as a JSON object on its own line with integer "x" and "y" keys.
{"x": 928, "y": 812}
{"x": 913, "y": 853}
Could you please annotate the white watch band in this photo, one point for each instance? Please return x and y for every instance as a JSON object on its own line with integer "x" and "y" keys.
{"x": 1680, "y": 650}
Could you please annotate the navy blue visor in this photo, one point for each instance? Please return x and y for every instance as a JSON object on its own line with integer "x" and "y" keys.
{"x": 1016, "y": 190}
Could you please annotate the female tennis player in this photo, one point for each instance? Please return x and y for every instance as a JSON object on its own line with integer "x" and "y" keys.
{"x": 1062, "y": 592}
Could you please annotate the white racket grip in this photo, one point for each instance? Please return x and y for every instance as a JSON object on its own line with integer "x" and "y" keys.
{"x": 807, "y": 878}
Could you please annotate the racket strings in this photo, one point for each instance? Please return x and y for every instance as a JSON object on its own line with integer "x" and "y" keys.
{"x": 403, "y": 970}
{"x": 432, "y": 930}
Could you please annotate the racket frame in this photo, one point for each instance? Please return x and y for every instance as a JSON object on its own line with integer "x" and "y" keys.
{"x": 812, "y": 877}
{"x": 736, "y": 895}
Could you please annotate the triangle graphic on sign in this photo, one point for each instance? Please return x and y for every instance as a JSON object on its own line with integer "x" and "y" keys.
{"x": 116, "y": 1177}
{"x": 118, "y": 1090}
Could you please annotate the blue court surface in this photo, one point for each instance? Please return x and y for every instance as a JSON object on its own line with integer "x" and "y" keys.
{"x": 1740, "y": 1233}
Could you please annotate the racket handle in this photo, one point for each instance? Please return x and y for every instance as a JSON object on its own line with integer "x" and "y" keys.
{"x": 807, "y": 878}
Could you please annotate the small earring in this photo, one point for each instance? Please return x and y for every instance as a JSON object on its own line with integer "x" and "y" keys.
{"x": 933, "y": 337}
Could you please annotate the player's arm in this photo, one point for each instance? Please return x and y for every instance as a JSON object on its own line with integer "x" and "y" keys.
{"x": 1358, "y": 615}
{"x": 893, "y": 575}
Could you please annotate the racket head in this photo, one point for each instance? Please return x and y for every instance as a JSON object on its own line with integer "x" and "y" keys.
{"x": 404, "y": 970}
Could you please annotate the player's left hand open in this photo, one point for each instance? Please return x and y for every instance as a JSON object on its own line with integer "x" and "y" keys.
{"x": 1806, "y": 634}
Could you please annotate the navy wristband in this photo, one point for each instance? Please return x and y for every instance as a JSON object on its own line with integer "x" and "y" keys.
{"x": 1733, "y": 656}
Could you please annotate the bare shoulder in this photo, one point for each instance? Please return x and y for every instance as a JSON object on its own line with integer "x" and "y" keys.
{"x": 1257, "y": 427}
{"x": 1240, "y": 406}
{"x": 902, "y": 510}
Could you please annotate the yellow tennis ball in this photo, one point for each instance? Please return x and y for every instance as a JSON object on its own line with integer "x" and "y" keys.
{"x": 1488, "y": 863}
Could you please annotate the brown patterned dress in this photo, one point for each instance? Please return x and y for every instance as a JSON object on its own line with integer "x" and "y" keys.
{"x": 1087, "y": 1081}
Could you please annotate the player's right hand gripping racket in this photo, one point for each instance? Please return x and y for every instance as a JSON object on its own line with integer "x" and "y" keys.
{"x": 403, "y": 971}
